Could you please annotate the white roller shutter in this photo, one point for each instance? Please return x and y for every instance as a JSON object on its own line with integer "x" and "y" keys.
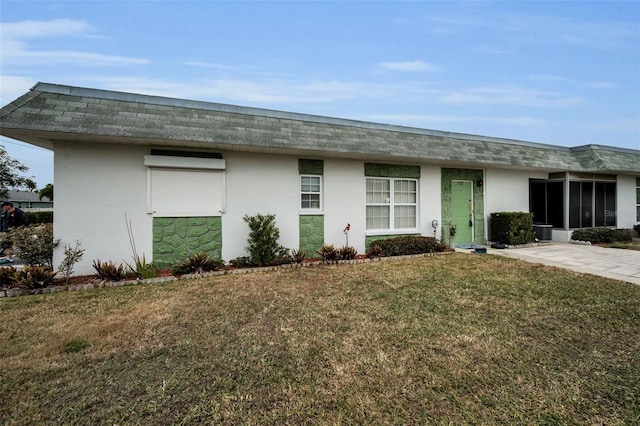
{"x": 186, "y": 192}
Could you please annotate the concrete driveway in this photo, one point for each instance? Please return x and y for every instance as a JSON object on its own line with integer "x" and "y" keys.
{"x": 619, "y": 264}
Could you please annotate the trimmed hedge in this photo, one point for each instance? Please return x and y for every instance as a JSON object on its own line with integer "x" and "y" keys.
{"x": 512, "y": 227}
{"x": 39, "y": 217}
{"x": 401, "y": 246}
{"x": 603, "y": 235}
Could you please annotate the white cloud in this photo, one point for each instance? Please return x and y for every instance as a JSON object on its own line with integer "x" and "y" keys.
{"x": 13, "y": 86}
{"x": 499, "y": 95}
{"x": 16, "y": 51}
{"x": 411, "y": 66}
{"x": 603, "y": 85}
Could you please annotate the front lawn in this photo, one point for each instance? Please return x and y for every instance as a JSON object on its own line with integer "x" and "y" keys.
{"x": 455, "y": 339}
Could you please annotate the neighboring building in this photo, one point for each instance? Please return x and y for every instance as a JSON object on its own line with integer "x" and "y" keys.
{"x": 29, "y": 201}
{"x": 184, "y": 173}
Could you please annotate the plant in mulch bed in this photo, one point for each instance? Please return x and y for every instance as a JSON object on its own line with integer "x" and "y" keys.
{"x": 298, "y": 255}
{"x": 603, "y": 235}
{"x": 263, "y": 247}
{"x": 347, "y": 253}
{"x": 374, "y": 251}
{"x": 7, "y": 276}
{"x": 72, "y": 255}
{"x": 198, "y": 263}
{"x": 329, "y": 253}
{"x": 34, "y": 277}
{"x": 109, "y": 271}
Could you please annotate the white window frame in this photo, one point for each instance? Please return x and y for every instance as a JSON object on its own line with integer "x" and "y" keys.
{"x": 320, "y": 193}
{"x": 391, "y": 204}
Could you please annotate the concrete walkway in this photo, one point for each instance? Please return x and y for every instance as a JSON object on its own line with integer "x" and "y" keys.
{"x": 619, "y": 264}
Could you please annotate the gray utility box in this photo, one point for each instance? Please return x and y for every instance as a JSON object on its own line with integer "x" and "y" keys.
{"x": 543, "y": 232}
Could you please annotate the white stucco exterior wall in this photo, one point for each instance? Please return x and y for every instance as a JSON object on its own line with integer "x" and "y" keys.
{"x": 96, "y": 185}
{"x": 265, "y": 184}
{"x": 508, "y": 190}
{"x": 626, "y": 201}
{"x": 344, "y": 202}
{"x": 430, "y": 200}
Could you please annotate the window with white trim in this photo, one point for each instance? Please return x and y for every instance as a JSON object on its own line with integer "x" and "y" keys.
{"x": 310, "y": 192}
{"x": 392, "y": 204}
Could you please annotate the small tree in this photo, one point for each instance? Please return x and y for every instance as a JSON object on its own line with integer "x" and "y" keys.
{"x": 263, "y": 241}
{"x": 10, "y": 174}
{"x": 47, "y": 191}
{"x": 72, "y": 255}
{"x": 34, "y": 244}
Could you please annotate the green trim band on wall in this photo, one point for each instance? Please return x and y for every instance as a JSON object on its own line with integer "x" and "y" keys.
{"x": 310, "y": 167}
{"x": 391, "y": 171}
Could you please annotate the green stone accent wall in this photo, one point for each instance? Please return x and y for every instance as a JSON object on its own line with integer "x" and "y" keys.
{"x": 391, "y": 171}
{"x": 475, "y": 176}
{"x": 371, "y": 238}
{"x": 175, "y": 238}
{"x": 311, "y": 234}
{"x": 310, "y": 167}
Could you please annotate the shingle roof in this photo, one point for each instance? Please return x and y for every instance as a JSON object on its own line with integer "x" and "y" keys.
{"x": 54, "y": 112}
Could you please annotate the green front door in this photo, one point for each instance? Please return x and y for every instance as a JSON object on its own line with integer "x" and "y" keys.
{"x": 462, "y": 211}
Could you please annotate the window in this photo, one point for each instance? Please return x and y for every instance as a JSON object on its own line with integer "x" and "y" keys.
{"x": 592, "y": 204}
{"x": 637, "y": 199}
{"x": 310, "y": 192}
{"x": 392, "y": 204}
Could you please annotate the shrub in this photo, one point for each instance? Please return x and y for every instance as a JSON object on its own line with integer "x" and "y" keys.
{"x": 512, "y": 227}
{"x": 374, "y": 251}
{"x": 298, "y": 255}
{"x": 241, "y": 262}
{"x": 263, "y": 248}
{"x": 34, "y": 244}
{"x": 7, "y": 276}
{"x": 197, "y": 264}
{"x": 35, "y": 218}
{"x": 637, "y": 229}
{"x": 72, "y": 255}
{"x": 329, "y": 253}
{"x": 602, "y": 235}
{"x": 142, "y": 268}
{"x": 401, "y": 246}
{"x": 109, "y": 271}
{"x": 347, "y": 253}
{"x": 34, "y": 276}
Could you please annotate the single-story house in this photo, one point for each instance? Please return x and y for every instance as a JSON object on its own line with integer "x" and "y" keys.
{"x": 182, "y": 174}
{"x": 29, "y": 201}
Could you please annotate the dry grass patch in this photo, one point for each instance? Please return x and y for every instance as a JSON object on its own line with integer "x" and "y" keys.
{"x": 460, "y": 338}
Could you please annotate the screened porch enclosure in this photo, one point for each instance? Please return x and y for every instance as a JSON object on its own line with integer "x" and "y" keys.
{"x": 573, "y": 201}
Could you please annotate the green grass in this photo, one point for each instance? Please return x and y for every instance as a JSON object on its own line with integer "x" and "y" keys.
{"x": 628, "y": 246}
{"x": 457, "y": 339}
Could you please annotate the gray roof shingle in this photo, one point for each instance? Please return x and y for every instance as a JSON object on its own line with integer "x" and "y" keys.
{"x": 53, "y": 112}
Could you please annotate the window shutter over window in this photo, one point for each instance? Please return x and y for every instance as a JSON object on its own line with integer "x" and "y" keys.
{"x": 185, "y": 187}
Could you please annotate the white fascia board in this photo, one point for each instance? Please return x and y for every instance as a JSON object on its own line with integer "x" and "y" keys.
{"x": 184, "y": 162}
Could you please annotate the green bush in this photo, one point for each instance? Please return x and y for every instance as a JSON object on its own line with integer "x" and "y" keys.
{"x": 637, "y": 229}
{"x": 263, "y": 248}
{"x": 603, "y": 235}
{"x": 512, "y": 227}
{"x": 35, "y": 218}
{"x": 401, "y": 246}
{"x": 197, "y": 264}
{"x": 34, "y": 243}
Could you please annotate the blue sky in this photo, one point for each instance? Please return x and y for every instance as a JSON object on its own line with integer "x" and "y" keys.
{"x": 562, "y": 73}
